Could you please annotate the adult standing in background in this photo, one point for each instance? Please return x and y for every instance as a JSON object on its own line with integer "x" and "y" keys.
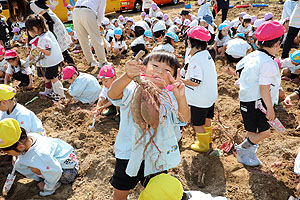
{"x": 221, "y": 5}
{"x": 288, "y": 8}
{"x": 87, "y": 17}
{"x": 294, "y": 28}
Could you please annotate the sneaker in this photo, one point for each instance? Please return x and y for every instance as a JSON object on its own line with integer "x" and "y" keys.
{"x": 94, "y": 64}
{"x": 109, "y": 110}
{"x": 50, "y": 192}
{"x": 252, "y": 155}
{"x": 247, "y": 156}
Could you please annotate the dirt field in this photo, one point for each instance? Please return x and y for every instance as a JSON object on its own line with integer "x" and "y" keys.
{"x": 223, "y": 175}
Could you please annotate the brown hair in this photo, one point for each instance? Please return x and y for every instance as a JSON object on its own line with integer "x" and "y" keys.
{"x": 21, "y": 12}
{"x": 37, "y": 21}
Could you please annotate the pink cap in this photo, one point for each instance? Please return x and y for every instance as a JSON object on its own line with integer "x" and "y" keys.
{"x": 68, "y": 72}
{"x": 154, "y": 6}
{"x": 107, "y": 71}
{"x": 199, "y": 33}
{"x": 269, "y": 30}
{"x": 2, "y": 50}
{"x": 10, "y": 54}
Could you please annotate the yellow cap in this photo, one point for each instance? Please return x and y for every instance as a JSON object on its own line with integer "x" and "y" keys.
{"x": 6, "y": 92}
{"x": 10, "y": 132}
{"x": 162, "y": 187}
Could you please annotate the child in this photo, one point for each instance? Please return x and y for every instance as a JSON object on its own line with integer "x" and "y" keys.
{"x": 159, "y": 30}
{"x": 237, "y": 48}
{"x": 176, "y": 27}
{"x": 116, "y": 24}
{"x": 73, "y": 35}
{"x": 204, "y": 9}
{"x": 118, "y": 45}
{"x": 259, "y": 86}
{"x": 84, "y": 87}
{"x": 222, "y": 39}
{"x": 167, "y": 20}
{"x": 11, "y": 109}
{"x": 3, "y": 63}
{"x": 201, "y": 81}
{"x": 185, "y": 25}
{"x": 140, "y": 27}
{"x": 246, "y": 27}
{"x": 141, "y": 42}
{"x": 4, "y": 33}
{"x": 168, "y": 44}
{"x": 185, "y": 14}
{"x": 153, "y": 10}
{"x": 107, "y": 75}
{"x": 236, "y": 22}
{"x": 129, "y": 28}
{"x": 291, "y": 66}
{"x": 17, "y": 35}
{"x": 121, "y": 20}
{"x": 206, "y": 22}
{"x": 163, "y": 153}
{"x": 143, "y": 14}
{"x": 106, "y": 24}
{"x": 69, "y": 14}
{"x": 48, "y": 160}
{"x": 47, "y": 46}
{"x": 159, "y": 16}
{"x": 18, "y": 69}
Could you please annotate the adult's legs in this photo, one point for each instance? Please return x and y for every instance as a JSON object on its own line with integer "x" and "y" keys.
{"x": 224, "y": 14}
{"x": 289, "y": 41}
{"x": 215, "y": 13}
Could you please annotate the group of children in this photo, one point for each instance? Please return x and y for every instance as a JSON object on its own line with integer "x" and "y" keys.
{"x": 193, "y": 91}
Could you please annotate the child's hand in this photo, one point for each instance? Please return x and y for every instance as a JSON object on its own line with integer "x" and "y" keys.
{"x": 178, "y": 86}
{"x": 98, "y": 110}
{"x": 132, "y": 68}
{"x": 29, "y": 86}
{"x": 41, "y": 185}
{"x": 297, "y": 71}
{"x": 270, "y": 114}
{"x": 288, "y": 102}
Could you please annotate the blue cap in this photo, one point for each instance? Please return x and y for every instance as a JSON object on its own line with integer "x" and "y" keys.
{"x": 295, "y": 56}
{"x": 148, "y": 34}
{"x": 118, "y": 31}
{"x": 208, "y": 19}
{"x": 69, "y": 29}
{"x": 222, "y": 26}
{"x": 240, "y": 35}
{"x": 173, "y": 36}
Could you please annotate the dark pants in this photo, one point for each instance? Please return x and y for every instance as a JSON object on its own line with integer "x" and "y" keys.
{"x": 67, "y": 57}
{"x": 289, "y": 41}
{"x": 19, "y": 76}
{"x": 138, "y": 48}
{"x": 224, "y": 13}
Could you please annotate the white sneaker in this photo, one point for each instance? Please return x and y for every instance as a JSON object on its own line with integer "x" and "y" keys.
{"x": 241, "y": 154}
{"x": 46, "y": 92}
{"x": 252, "y": 155}
{"x": 247, "y": 156}
{"x": 94, "y": 64}
{"x": 50, "y": 192}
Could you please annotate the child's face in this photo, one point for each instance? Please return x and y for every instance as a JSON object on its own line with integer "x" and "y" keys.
{"x": 1, "y": 57}
{"x": 225, "y": 31}
{"x": 147, "y": 39}
{"x": 16, "y": 33}
{"x": 159, "y": 72}
{"x": 117, "y": 37}
{"x": 34, "y": 32}
{"x": 108, "y": 81}
{"x": 13, "y": 62}
{"x": 246, "y": 24}
{"x": 129, "y": 23}
{"x": 71, "y": 33}
{"x": 3, "y": 106}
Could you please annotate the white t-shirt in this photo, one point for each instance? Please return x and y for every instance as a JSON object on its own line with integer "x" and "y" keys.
{"x": 2, "y": 64}
{"x": 204, "y": 10}
{"x": 104, "y": 92}
{"x": 146, "y": 4}
{"x": 287, "y": 63}
{"x": 48, "y": 41}
{"x": 259, "y": 69}
{"x": 153, "y": 13}
{"x": 168, "y": 22}
{"x": 24, "y": 68}
{"x": 237, "y": 48}
{"x": 235, "y": 23}
{"x": 69, "y": 14}
{"x": 139, "y": 40}
{"x": 242, "y": 29}
{"x": 164, "y": 47}
{"x": 222, "y": 42}
{"x": 173, "y": 29}
{"x": 202, "y": 67}
{"x": 119, "y": 44}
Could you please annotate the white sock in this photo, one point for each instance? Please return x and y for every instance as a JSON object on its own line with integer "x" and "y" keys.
{"x": 57, "y": 88}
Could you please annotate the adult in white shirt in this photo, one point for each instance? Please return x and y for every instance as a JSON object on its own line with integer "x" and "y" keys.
{"x": 87, "y": 17}
{"x": 288, "y": 8}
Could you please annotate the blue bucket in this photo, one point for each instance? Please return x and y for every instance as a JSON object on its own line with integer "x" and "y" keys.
{"x": 188, "y": 6}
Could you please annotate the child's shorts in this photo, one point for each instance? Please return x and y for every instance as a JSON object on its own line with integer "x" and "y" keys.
{"x": 198, "y": 115}
{"x": 48, "y": 72}
{"x": 121, "y": 181}
{"x": 254, "y": 119}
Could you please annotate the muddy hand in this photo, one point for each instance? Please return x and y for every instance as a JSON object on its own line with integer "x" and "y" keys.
{"x": 178, "y": 86}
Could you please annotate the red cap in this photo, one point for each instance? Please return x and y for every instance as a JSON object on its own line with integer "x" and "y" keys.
{"x": 199, "y": 33}
{"x": 10, "y": 54}
{"x": 2, "y": 50}
{"x": 269, "y": 30}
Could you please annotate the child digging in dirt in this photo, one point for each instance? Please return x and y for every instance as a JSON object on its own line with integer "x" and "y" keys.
{"x": 11, "y": 109}
{"x": 135, "y": 161}
{"x": 48, "y": 160}
{"x": 201, "y": 87}
{"x": 291, "y": 67}
{"x": 84, "y": 87}
{"x": 259, "y": 86}
{"x": 49, "y": 47}
{"x": 105, "y": 107}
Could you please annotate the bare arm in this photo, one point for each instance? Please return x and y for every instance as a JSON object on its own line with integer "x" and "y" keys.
{"x": 266, "y": 96}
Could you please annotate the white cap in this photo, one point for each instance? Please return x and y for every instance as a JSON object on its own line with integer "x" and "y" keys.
{"x": 258, "y": 22}
{"x": 186, "y": 22}
{"x": 178, "y": 21}
{"x": 130, "y": 19}
{"x": 147, "y": 19}
{"x": 159, "y": 14}
{"x": 159, "y": 26}
{"x": 227, "y": 22}
{"x": 105, "y": 21}
{"x": 247, "y": 16}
